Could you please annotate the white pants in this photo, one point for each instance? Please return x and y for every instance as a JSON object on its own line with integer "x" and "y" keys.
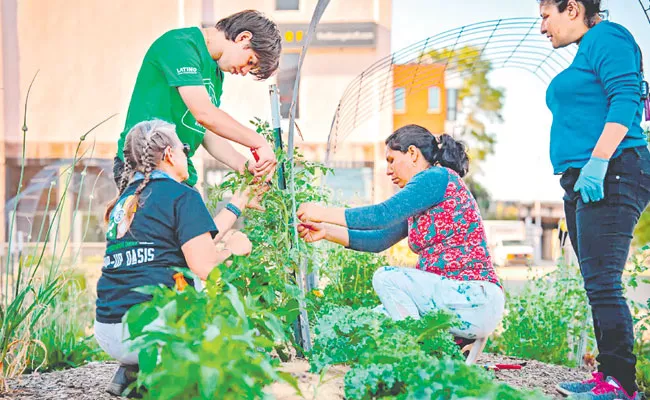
{"x": 410, "y": 292}
{"x": 113, "y": 339}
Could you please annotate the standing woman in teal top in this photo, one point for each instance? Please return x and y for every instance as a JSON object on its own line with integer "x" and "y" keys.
{"x": 599, "y": 148}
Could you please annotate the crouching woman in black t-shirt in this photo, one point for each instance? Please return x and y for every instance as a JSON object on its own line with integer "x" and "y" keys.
{"x": 155, "y": 223}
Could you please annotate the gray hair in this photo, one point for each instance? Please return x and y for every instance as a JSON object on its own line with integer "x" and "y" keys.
{"x": 144, "y": 147}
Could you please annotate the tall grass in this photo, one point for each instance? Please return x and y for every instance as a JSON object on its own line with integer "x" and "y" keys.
{"x": 34, "y": 282}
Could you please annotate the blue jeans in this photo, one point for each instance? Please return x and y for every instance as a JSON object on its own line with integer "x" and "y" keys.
{"x": 601, "y": 234}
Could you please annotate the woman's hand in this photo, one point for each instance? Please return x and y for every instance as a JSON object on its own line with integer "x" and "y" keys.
{"x": 255, "y": 201}
{"x": 310, "y": 212}
{"x": 250, "y": 197}
{"x": 311, "y": 232}
{"x": 239, "y": 244}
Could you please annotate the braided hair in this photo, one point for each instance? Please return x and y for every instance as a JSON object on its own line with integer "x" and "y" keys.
{"x": 144, "y": 149}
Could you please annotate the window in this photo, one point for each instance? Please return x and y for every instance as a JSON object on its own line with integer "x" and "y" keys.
{"x": 452, "y": 104}
{"x": 434, "y": 99}
{"x": 286, "y": 80}
{"x": 287, "y": 4}
{"x": 400, "y": 99}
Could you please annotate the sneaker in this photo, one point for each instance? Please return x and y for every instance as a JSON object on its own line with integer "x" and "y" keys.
{"x": 463, "y": 343}
{"x": 569, "y": 388}
{"x": 124, "y": 376}
{"x": 608, "y": 389}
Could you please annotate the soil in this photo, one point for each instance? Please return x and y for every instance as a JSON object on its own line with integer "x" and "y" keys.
{"x": 89, "y": 381}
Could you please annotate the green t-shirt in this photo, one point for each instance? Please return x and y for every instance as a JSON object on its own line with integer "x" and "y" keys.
{"x": 179, "y": 57}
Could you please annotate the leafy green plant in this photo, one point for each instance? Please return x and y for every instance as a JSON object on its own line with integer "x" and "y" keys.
{"x": 549, "y": 320}
{"x": 204, "y": 345}
{"x": 62, "y": 333}
{"x": 417, "y": 376}
{"x": 348, "y": 274}
{"x": 409, "y": 359}
{"x": 641, "y": 317}
{"x": 270, "y": 274}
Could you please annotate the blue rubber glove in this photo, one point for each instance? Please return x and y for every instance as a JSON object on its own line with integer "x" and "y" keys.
{"x": 591, "y": 182}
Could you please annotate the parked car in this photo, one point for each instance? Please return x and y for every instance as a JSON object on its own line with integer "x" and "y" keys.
{"x": 509, "y": 252}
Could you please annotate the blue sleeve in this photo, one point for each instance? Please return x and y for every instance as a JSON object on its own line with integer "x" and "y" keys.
{"x": 378, "y": 240}
{"x": 425, "y": 190}
{"x": 615, "y": 58}
{"x": 192, "y": 217}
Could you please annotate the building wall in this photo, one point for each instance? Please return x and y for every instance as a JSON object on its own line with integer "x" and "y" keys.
{"x": 325, "y": 75}
{"x": 416, "y": 80}
{"x": 3, "y": 26}
{"x": 87, "y": 55}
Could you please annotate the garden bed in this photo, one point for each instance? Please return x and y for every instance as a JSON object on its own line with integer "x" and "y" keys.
{"x": 88, "y": 382}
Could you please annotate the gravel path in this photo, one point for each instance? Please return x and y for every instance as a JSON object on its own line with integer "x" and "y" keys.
{"x": 88, "y": 382}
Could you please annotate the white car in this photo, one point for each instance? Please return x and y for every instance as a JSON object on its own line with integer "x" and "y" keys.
{"x": 509, "y": 252}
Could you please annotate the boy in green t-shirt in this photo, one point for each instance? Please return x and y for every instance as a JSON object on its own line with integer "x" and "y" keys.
{"x": 181, "y": 81}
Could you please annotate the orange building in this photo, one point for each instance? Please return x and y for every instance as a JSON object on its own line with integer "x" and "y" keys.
{"x": 422, "y": 98}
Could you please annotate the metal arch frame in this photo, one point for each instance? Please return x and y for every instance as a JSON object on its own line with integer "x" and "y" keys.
{"x": 504, "y": 43}
{"x": 646, "y": 9}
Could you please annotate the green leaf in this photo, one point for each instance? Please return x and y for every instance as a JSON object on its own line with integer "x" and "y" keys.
{"x": 147, "y": 359}
{"x": 149, "y": 289}
{"x": 138, "y": 317}
{"x": 209, "y": 380}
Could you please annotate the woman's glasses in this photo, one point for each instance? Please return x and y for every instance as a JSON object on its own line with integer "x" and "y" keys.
{"x": 186, "y": 149}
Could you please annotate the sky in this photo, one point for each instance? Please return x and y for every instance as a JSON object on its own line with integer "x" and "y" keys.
{"x": 520, "y": 169}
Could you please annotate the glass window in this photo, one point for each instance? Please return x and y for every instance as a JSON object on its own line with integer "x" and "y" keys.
{"x": 400, "y": 99}
{"x": 287, "y": 4}
{"x": 434, "y": 99}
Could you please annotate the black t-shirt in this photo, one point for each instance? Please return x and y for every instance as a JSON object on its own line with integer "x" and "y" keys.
{"x": 169, "y": 215}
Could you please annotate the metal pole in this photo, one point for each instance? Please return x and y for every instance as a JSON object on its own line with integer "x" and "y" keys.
{"x": 301, "y": 325}
{"x": 277, "y": 130}
{"x": 318, "y": 13}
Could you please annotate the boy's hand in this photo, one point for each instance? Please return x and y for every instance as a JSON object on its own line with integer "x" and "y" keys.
{"x": 266, "y": 162}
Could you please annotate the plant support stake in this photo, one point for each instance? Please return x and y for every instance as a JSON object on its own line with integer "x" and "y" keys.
{"x": 318, "y": 13}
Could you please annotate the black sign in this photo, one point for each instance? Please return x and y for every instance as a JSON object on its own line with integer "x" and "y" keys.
{"x": 363, "y": 34}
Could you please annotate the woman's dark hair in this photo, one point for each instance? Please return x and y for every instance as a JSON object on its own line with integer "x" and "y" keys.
{"x": 592, "y": 8}
{"x": 266, "y": 41}
{"x": 444, "y": 151}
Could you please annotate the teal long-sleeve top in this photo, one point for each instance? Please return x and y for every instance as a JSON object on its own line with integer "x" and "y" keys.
{"x": 375, "y": 228}
{"x": 603, "y": 84}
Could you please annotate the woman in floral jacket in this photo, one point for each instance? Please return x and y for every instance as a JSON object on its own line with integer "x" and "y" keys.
{"x": 441, "y": 219}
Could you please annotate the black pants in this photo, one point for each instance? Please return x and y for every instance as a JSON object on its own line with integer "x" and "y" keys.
{"x": 601, "y": 234}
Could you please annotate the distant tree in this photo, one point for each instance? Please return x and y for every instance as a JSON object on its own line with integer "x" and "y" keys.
{"x": 479, "y": 102}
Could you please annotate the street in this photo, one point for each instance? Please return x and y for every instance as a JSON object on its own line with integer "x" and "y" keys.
{"x": 514, "y": 277}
